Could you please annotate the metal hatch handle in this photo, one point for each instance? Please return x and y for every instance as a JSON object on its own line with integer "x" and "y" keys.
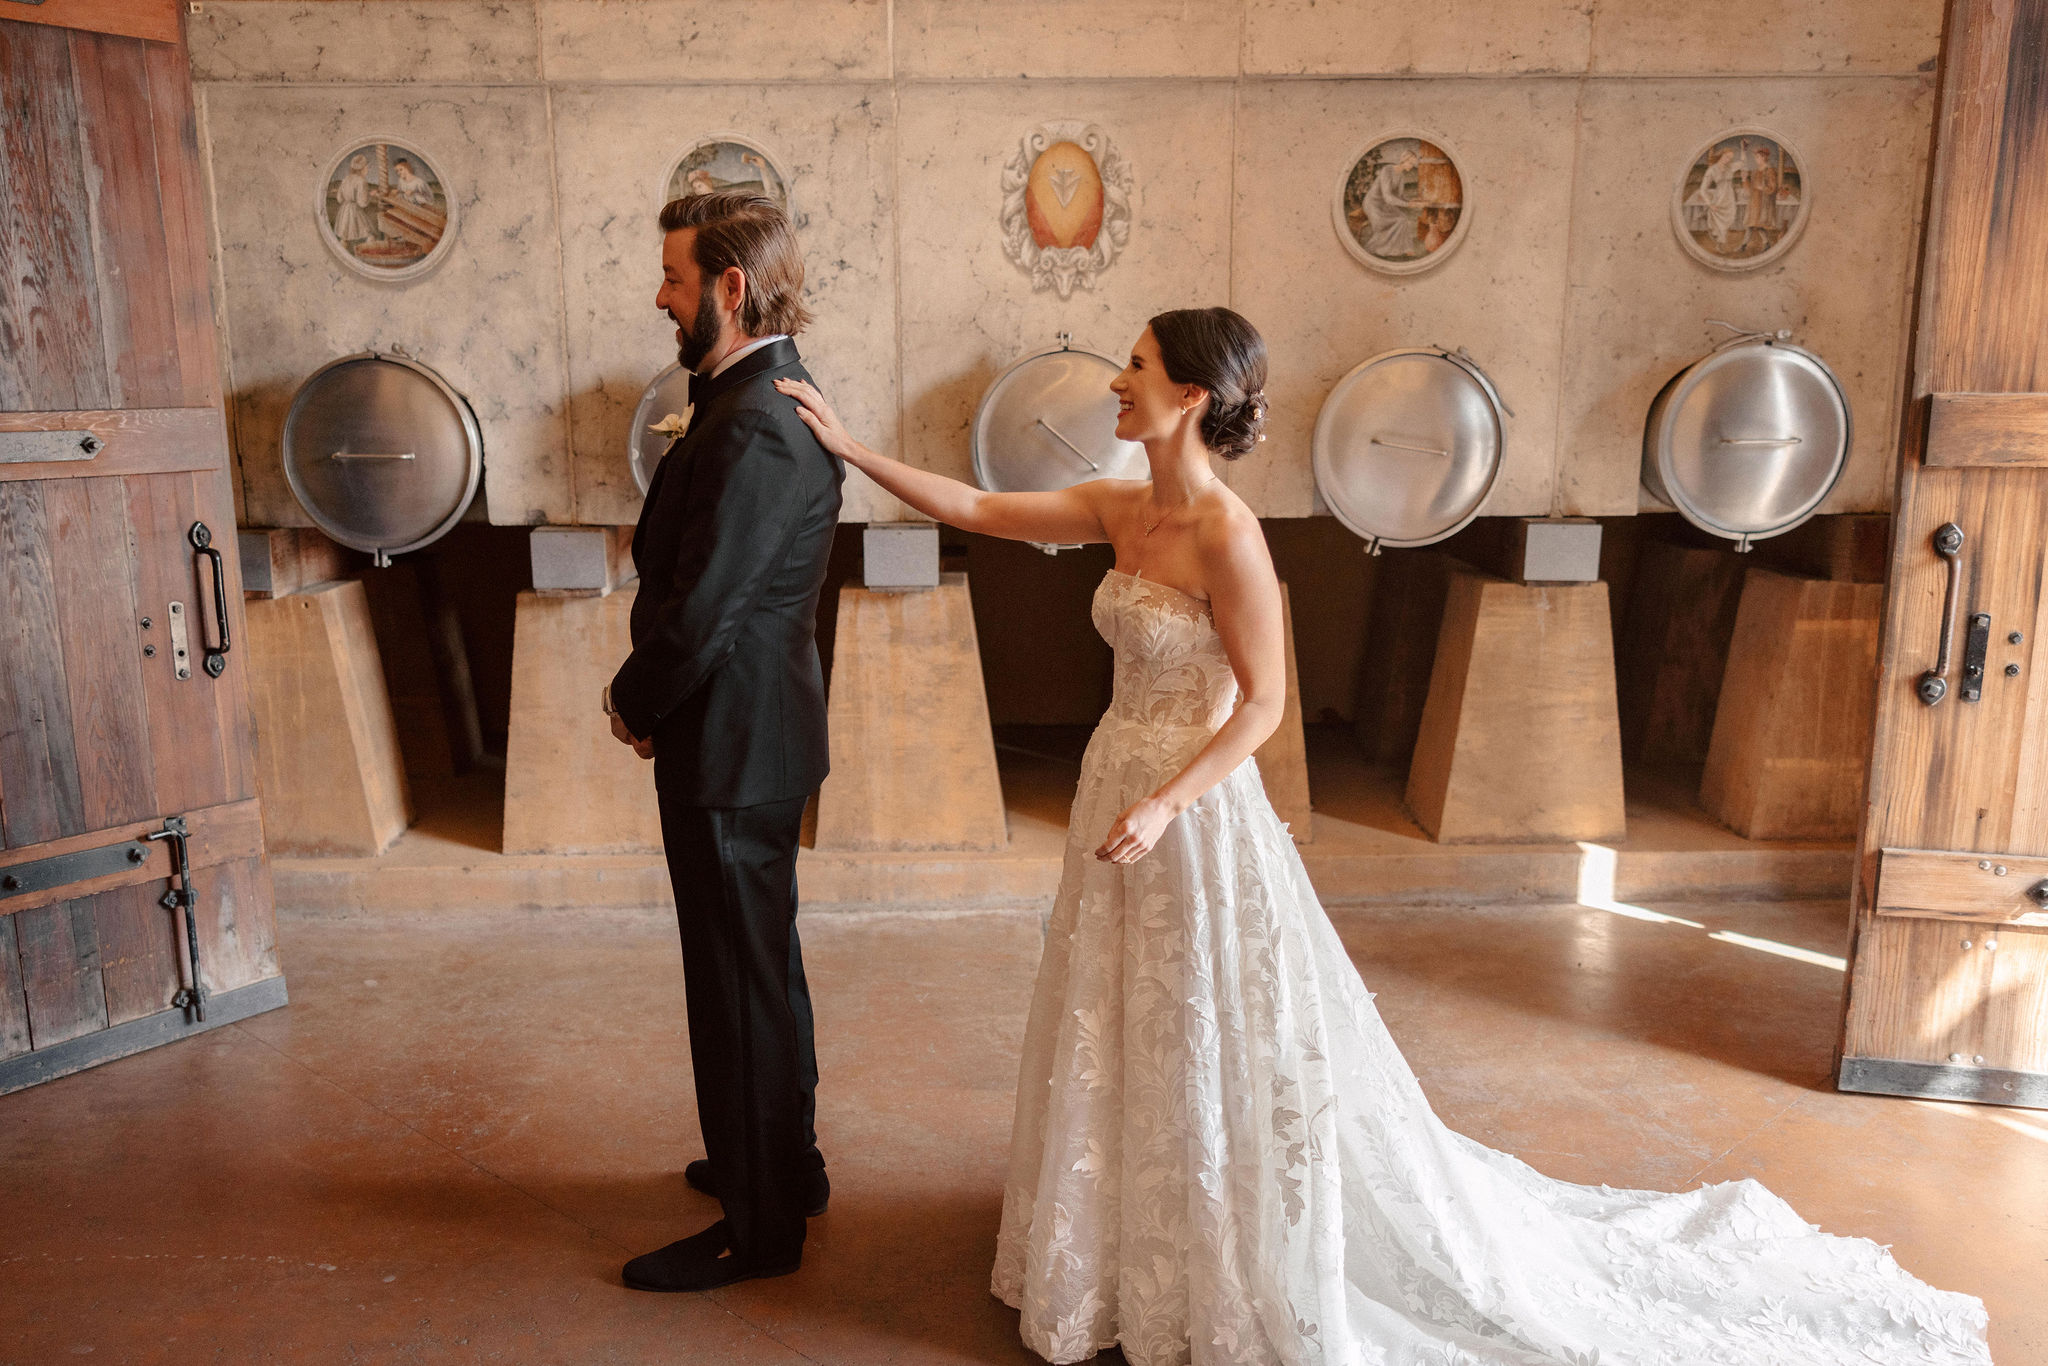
{"x": 1762, "y": 440}
{"x": 1070, "y": 445}
{"x": 1948, "y": 543}
{"x": 373, "y": 455}
{"x": 1407, "y": 446}
{"x": 216, "y": 655}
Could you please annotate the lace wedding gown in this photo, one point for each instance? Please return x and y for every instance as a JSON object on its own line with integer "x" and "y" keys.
{"x": 1221, "y": 1156}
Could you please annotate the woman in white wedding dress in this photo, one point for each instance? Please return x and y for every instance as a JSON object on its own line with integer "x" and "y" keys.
{"x": 1219, "y": 1154}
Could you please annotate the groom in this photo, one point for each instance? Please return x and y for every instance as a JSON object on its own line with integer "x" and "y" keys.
{"x": 723, "y": 690}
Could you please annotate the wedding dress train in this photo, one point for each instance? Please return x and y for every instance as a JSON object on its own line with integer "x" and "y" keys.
{"x": 1220, "y": 1155}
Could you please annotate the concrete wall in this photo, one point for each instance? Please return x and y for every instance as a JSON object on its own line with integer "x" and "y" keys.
{"x": 557, "y": 119}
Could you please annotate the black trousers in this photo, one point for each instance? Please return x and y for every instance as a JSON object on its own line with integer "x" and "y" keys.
{"x": 734, "y": 874}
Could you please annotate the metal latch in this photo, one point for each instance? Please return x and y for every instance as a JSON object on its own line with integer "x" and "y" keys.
{"x": 192, "y": 998}
{"x": 1975, "y": 646}
{"x": 60, "y": 870}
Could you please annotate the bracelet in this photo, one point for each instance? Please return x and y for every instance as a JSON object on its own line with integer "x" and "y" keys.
{"x": 605, "y": 700}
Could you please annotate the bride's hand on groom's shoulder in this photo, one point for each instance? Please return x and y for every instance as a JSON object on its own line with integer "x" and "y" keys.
{"x": 817, "y": 414}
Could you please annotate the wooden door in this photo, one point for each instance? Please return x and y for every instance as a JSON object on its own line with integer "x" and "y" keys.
{"x": 112, "y": 448}
{"x": 1948, "y": 976}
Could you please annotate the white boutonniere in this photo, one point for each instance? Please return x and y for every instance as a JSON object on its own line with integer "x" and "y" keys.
{"x": 672, "y": 425}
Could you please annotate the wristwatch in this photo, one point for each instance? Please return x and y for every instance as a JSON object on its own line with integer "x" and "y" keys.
{"x": 605, "y": 700}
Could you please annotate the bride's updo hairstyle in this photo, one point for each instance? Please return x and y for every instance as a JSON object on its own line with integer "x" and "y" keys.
{"x": 1221, "y": 352}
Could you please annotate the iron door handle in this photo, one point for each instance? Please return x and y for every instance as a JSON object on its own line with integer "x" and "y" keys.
{"x": 216, "y": 655}
{"x": 1948, "y": 543}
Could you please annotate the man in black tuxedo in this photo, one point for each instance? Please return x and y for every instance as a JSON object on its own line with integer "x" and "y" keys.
{"x": 724, "y": 691}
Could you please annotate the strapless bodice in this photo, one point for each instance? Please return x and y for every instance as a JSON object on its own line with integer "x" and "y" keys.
{"x": 1171, "y": 671}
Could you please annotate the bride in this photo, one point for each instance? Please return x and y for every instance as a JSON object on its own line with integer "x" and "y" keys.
{"x": 1219, "y": 1154}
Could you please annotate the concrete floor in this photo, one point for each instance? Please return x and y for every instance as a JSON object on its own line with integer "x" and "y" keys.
{"x": 446, "y": 1146}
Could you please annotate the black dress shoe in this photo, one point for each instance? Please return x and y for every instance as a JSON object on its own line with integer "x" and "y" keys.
{"x": 815, "y": 1192}
{"x": 702, "y": 1261}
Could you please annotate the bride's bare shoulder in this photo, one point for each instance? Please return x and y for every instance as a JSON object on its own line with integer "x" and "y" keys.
{"x": 1227, "y": 525}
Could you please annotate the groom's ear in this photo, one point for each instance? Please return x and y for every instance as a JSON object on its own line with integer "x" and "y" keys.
{"x": 732, "y": 289}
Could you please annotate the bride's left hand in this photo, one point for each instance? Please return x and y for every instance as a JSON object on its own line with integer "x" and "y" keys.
{"x": 1136, "y": 831}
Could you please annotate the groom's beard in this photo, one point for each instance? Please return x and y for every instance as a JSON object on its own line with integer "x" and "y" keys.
{"x": 701, "y": 335}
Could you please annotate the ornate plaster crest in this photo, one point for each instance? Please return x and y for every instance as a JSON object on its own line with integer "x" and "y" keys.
{"x": 1066, "y": 204}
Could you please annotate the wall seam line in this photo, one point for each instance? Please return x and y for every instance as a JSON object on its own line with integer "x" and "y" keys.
{"x": 571, "y": 458}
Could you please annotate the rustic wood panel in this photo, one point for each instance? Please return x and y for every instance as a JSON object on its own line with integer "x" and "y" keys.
{"x": 139, "y": 950}
{"x": 1988, "y": 228}
{"x": 191, "y": 752}
{"x": 137, "y": 441}
{"x": 103, "y": 642}
{"x": 1967, "y": 775}
{"x": 1792, "y": 731}
{"x": 1673, "y": 650}
{"x": 50, "y": 354}
{"x": 38, "y": 752}
{"x": 138, "y": 325}
{"x": 913, "y": 754}
{"x": 60, "y": 971}
{"x": 1400, "y": 644}
{"x": 1938, "y": 884}
{"x": 215, "y": 493}
{"x": 1987, "y": 429}
{"x": 154, "y": 20}
{"x": 237, "y": 932}
{"x": 13, "y": 1002}
{"x": 2016, "y": 1010}
{"x": 569, "y": 786}
{"x": 1520, "y": 739}
{"x": 175, "y": 131}
{"x": 331, "y": 776}
{"x": 218, "y": 834}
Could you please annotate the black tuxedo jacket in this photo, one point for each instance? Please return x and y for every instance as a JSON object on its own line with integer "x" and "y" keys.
{"x": 731, "y": 547}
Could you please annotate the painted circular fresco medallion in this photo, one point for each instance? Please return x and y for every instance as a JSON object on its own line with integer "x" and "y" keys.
{"x": 726, "y": 161}
{"x": 385, "y": 209}
{"x": 1741, "y": 201}
{"x": 1400, "y": 203}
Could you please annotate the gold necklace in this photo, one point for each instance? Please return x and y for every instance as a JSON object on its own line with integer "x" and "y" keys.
{"x": 1160, "y": 520}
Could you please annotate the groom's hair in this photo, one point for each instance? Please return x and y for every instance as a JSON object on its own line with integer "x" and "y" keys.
{"x": 739, "y": 228}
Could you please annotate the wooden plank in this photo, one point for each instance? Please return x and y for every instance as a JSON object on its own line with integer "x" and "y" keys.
{"x": 1987, "y": 429}
{"x": 215, "y": 495}
{"x": 1987, "y": 239}
{"x": 154, "y": 20}
{"x": 60, "y": 972}
{"x": 38, "y": 751}
{"x": 138, "y": 323}
{"x": 13, "y": 1002}
{"x": 1963, "y": 775}
{"x": 1520, "y": 739}
{"x": 330, "y": 772}
{"x": 1941, "y": 884}
{"x": 103, "y": 644}
{"x": 139, "y": 950}
{"x": 1791, "y": 737}
{"x": 175, "y": 130}
{"x": 218, "y": 834}
{"x": 1673, "y": 650}
{"x": 569, "y": 786}
{"x": 135, "y": 441}
{"x": 50, "y": 354}
{"x": 190, "y": 750}
{"x": 137, "y": 1036}
{"x": 1400, "y": 643}
{"x": 1948, "y": 991}
{"x": 913, "y": 754}
{"x": 237, "y": 930}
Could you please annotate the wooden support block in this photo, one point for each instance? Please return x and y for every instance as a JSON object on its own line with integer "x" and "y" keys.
{"x": 1673, "y": 649}
{"x": 1853, "y": 546}
{"x": 1792, "y": 732}
{"x": 1553, "y": 549}
{"x": 570, "y": 788}
{"x": 913, "y": 757}
{"x": 281, "y": 560}
{"x": 1283, "y": 759}
{"x": 581, "y": 561}
{"x": 1520, "y": 740}
{"x": 328, "y": 766}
